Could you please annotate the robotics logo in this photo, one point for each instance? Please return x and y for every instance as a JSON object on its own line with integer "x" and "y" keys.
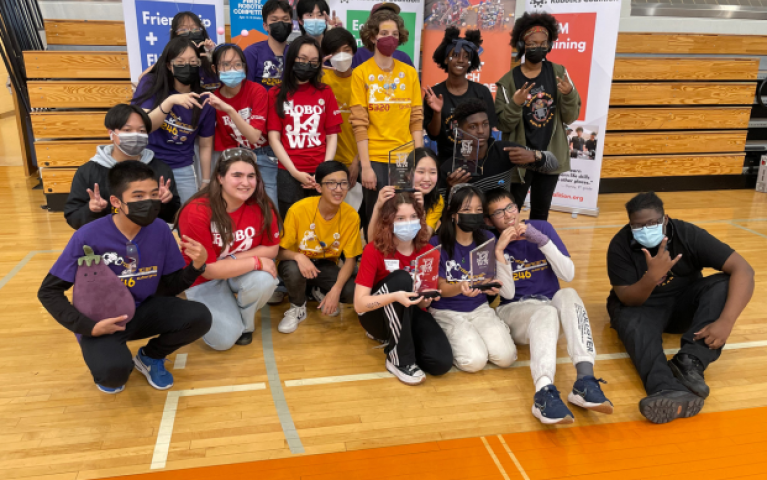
{"x": 537, "y": 3}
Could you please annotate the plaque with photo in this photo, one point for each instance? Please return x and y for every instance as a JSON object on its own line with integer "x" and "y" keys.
{"x": 401, "y": 167}
{"x": 482, "y": 262}
{"x": 426, "y": 270}
{"x": 466, "y": 152}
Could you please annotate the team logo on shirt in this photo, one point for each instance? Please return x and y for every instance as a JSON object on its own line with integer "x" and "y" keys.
{"x": 539, "y": 107}
{"x": 454, "y": 273}
{"x": 302, "y": 133}
{"x": 523, "y": 269}
{"x": 131, "y": 272}
{"x": 175, "y": 127}
{"x": 236, "y": 135}
{"x": 243, "y": 236}
{"x": 272, "y": 74}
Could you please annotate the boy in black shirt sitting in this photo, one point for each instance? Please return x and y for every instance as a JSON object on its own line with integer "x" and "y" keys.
{"x": 655, "y": 264}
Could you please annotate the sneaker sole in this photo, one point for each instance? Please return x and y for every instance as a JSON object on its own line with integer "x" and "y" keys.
{"x": 579, "y": 401}
{"x": 551, "y": 421}
{"x": 406, "y": 379}
{"x": 664, "y": 410}
{"x": 678, "y": 375}
{"x": 294, "y": 328}
{"x": 141, "y": 368}
{"x": 111, "y": 393}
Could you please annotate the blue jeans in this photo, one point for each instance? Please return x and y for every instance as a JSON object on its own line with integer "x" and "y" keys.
{"x": 186, "y": 182}
{"x": 267, "y": 166}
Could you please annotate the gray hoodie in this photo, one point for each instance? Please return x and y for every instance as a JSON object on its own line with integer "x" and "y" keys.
{"x": 104, "y": 156}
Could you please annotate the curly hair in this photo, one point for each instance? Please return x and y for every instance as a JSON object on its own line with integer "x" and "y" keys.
{"x": 369, "y": 31}
{"x": 530, "y": 20}
{"x": 384, "y": 238}
{"x": 445, "y": 48}
{"x": 467, "y": 108}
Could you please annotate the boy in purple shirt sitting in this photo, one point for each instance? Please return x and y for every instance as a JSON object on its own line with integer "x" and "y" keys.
{"x": 142, "y": 252}
{"x": 531, "y": 259}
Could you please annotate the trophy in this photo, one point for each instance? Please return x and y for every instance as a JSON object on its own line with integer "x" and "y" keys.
{"x": 466, "y": 152}
{"x": 482, "y": 265}
{"x": 401, "y": 167}
{"x": 426, "y": 273}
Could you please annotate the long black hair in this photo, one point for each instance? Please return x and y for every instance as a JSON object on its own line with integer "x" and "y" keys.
{"x": 445, "y": 49}
{"x": 220, "y": 50}
{"x": 289, "y": 85}
{"x": 431, "y": 199}
{"x": 447, "y": 230}
{"x": 160, "y": 77}
{"x": 176, "y": 24}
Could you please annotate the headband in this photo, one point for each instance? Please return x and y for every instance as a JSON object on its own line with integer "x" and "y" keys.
{"x": 535, "y": 29}
{"x": 457, "y": 188}
{"x": 463, "y": 44}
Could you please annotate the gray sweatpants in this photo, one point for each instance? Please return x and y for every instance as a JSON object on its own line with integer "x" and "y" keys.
{"x": 233, "y": 316}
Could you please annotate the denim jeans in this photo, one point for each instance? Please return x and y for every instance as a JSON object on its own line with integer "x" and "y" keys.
{"x": 186, "y": 182}
{"x": 267, "y": 166}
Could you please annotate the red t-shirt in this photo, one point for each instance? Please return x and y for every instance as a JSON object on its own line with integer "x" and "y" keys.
{"x": 310, "y": 115}
{"x": 250, "y": 102}
{"x": 195, "y": 222}
{"x": 374, "y": 267}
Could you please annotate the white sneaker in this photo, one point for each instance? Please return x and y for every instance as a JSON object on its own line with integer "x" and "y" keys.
{"x": 317, "y": 294}
{"x": 276, "y": 298}
{"x": 293, "y": 317}
{"x": 410, "y": 375}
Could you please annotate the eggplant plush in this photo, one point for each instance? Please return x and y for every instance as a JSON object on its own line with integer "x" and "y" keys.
{"x": 98, "y": 293}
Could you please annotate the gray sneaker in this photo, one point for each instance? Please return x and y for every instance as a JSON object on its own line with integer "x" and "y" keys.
{"x": 319, "y": 296}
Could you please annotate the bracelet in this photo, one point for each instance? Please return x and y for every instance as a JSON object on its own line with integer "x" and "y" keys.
{"x": 205, "y": 181}
{"x": 257, "y": 263}
{"x": 163, "y": 111}
{"x": 231, "y": 255}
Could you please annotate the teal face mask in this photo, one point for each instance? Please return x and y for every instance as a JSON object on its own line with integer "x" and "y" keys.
{"x": 648, "y": 237}
{"x": 314, "y": 26}
{"x": 407, "y": 230}
{"x": 232, "y": 78}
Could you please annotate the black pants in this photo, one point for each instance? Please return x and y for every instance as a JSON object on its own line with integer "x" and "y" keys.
{"x": 641, "y": 328}
{"x": 414, "y": 336}
{"x": 541, "y": 188}
{"x": 370, "y": 197}
{"x": 289, "y": 191}
{"x": 177, "y": 322}
{"x": 296, "y": 283}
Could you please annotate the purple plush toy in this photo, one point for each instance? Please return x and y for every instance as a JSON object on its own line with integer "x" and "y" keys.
{"x": 98, "y": 293}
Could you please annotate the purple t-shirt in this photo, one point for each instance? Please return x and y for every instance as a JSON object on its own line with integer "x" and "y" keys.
{"x": 363, "y": 55}
{"x": 208, "y": 82}
{"x": 532, "y": 273}
{"x": 158, "y": 255}
{"x": 173, "y": 142}
{"x": 264, "y": 67}
{"x": 454, "y": 270}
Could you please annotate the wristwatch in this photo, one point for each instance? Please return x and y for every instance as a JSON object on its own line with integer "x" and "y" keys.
{"x": 201, "y": 270}
{"x": 538, "y": 156}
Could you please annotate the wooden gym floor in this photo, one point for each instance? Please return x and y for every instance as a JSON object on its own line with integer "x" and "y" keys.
{"x": 317, "y": 404}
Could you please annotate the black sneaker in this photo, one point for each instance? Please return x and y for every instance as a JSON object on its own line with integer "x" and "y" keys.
{"x": 689, "y": 371}
{"x": 245, "y": 339}
{"x": 668, "y": 405}
{"x": 409, "y": 375}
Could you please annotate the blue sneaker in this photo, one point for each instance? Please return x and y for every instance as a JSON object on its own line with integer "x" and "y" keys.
{"x": 549, "y": 408}
{"x": 588, "y": 394}
{"x": 153, "y": 370}
{"x": 110, "y": 391}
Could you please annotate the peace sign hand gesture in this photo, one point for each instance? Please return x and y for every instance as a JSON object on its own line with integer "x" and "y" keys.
{"x": 520, "y": 96}
{"x": 96, "y": 203}
{"x": 165, "y": 195}
{"x": 434, "y": 102}
{"x": 563, "y": 85}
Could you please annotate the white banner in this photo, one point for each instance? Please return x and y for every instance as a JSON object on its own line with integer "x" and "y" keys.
{"x": 586, "y": 47}
{"x": 355, "y": 14}
{"x": 147, "y": 27}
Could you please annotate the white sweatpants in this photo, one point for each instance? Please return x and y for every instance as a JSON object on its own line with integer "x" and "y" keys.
{"x": 536, "y": 322}
{"x": 477, "y": 337}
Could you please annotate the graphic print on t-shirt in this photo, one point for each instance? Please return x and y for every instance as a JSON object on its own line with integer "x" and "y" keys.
{"x": 538, "y": 109}
{"x": 131, "y": 273}
{"x": 385, "y": 89}
{"x": 306, "y": 121}
{"x": 243, "y": 238}
{"x": 272, "y": 74}
{"x": 179, "y": 130}
{"x": 522, "y": 269}
{"x": 316, "y": 251}
{"x": 236, "y": 135}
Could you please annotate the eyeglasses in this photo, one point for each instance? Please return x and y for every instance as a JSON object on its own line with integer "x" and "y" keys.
{"x": 334, "y": 185}
{"x": 225, "y": 66}
{"x": 510, "y": 208}
{"x": 191, "y": 63}
{"x": 651, "y": 223}
{"x": 313, "y": 63}
{"x": 183, "y": 31}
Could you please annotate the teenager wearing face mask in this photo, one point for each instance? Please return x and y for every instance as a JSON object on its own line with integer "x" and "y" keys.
{"x": 475, "y": 332}
{"x": 364, "y": 54}
{"x": 655, "y": 267}
{"x": 314, "y": 18}
{"x": 161, "y": 276}
{"x": 458, "y": 57}
{"x": 303, "y": 122}
{"x": 172, "y": 95}
{"x": 128, "y": 127}
{"x": 387, "y": 109}
{"x": 534, "y": 102}
{"x": 266, "y": 58}
{"x": 384, "y": 300}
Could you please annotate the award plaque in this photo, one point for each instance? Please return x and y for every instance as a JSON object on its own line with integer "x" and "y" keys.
{"x": 401, "y": 167}
{"x": 482, "y": 262}
{"x": 466, "y": 152}
{"x": 426, "y": 270}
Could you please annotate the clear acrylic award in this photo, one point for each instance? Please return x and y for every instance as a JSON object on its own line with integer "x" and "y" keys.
{"x": 482, "y": 262}
{"x": 426, "y": 270}
{"x": 401, "y": 167}
{"x": 466, "y": 152}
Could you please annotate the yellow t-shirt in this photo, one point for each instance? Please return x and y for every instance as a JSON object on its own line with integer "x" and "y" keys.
{"x": 342, "y": 88}
{"x": 434, "y": 215}
{"x": 340, "y": 234}
{"x": 388, "y": 98}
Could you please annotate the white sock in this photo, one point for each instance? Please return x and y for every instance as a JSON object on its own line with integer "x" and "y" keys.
{"x": 542, "y": 382}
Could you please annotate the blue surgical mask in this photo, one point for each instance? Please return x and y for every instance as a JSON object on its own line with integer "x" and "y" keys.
{"x": 649, "y": 237}
{"x": 314, "y": 26}
{"x": 232, "y": 78}
{"x": 407, "y": 231}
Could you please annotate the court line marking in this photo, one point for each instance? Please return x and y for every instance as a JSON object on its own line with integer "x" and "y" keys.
{"x": 495, "y": 459}
{"x": 513, "y": 458}
{"x": 180, "y": 361}
{"x": 165, "y": 432}
{"x": 8, "y": 276}
{"x": 748, "y": 229}
{"x": 519, "y": 364}
{"x": 278, "y": 395}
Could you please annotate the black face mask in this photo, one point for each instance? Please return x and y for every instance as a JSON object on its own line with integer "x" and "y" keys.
{"x": 143, "y": 212}
{"x": 304, "y": 71}
{"x": 187, "y": 74}
{"x": 280, "y": 31}
{"x": 536, "y": 54}
{"x": 197, "y": 37}
{"x": 471, "y": 222}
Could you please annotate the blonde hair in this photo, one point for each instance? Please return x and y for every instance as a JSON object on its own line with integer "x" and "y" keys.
{"x": 369, "y": 30}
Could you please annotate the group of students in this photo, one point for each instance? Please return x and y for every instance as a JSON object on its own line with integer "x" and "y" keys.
{"x": 272, "y": 205}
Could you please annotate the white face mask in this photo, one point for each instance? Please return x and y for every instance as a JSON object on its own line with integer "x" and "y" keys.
{"x": 341, "y": 61}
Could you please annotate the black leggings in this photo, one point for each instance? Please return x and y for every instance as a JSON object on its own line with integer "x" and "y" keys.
{"x": 414, "y": 336}
{"x": 541, "y": 188}
{"x": 177, "y": 322}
